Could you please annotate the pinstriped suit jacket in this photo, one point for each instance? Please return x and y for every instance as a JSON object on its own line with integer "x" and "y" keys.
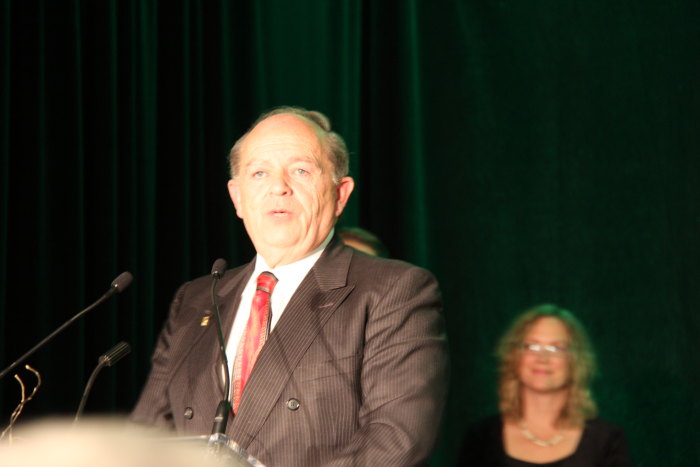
{"x": 360, "y": 347}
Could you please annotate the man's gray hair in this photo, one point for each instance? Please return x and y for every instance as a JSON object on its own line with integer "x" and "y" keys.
{"x": 335, "y": 145}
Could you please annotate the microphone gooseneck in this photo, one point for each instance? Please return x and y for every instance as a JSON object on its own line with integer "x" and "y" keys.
{"x": 109, "y": 358}
{"x": 223, "y": 410}
{"x": 118, "y": 285}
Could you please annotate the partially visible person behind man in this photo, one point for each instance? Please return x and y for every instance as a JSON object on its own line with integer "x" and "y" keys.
{"x": 354, "y": 369}
{"x": 363, "y": 240}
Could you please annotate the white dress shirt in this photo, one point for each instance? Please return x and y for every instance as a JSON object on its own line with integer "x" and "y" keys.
{"x": 288, "y": 277}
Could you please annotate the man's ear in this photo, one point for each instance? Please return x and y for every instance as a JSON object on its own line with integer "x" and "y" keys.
{"x": 234, "y": 191}
{"x": 343, "y": 190}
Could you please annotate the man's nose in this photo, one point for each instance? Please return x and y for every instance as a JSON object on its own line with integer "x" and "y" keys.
{"x": 279, "y": 185}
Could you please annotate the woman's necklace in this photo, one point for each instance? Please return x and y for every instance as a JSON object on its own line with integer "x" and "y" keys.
{"x": 538, "y": 441}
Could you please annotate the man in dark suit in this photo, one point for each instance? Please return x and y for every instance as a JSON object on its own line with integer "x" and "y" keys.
{"x": 354, "y": 368}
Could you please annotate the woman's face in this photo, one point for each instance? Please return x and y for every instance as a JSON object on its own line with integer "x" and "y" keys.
{"x": 544, "y": 359}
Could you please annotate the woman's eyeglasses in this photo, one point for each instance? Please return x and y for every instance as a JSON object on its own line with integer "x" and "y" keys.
{"x": 545, "y": 349}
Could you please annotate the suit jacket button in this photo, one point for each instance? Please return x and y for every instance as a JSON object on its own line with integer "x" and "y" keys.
{"x": 188, "y": 413}
{"x": 293, "y": 404}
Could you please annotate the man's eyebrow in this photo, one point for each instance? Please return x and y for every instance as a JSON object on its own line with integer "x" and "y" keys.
{"x": 306, "y": 158}
{"x": 256, "y": 162}
{"x": 309, "y": 159}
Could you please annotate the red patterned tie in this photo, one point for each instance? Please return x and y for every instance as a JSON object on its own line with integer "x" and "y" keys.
{"x": 254, "y": 335}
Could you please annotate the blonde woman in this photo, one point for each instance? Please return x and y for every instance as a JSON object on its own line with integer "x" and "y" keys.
{"x": 547, "y": 414}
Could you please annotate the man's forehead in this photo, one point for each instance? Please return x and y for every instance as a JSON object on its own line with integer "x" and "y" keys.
{"x": 263, "y": 158}
{"x": 284, "y": 133}
{"x": 282, "y": 123}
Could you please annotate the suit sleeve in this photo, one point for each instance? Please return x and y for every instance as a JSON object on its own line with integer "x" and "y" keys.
{"x": 404, "y": 376}
{"x": 153, "y": 407}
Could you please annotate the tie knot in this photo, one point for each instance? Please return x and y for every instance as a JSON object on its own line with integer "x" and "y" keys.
{"x": 266, "y": 282}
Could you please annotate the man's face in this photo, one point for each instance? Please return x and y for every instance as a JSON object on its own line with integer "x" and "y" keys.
{"x": 284, "y": 190}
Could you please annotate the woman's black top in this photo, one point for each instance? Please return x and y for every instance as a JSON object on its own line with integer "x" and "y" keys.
{"x": 602, "y": 444}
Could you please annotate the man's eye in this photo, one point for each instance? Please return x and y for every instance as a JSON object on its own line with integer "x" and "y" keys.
{"x": 300, "y": 171}
{"x": 258, "y": 174}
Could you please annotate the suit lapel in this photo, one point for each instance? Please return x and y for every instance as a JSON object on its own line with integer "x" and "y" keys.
{"x": 230, "y": 293}
{"x": 316, "y": 299}
{"x": 204, "y": 358}
{"x": 229, "y": 298}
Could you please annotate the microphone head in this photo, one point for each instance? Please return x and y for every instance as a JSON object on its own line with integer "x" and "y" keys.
{"x": 115, "y": 354}
{"x": 219, "y": 268}
{"x": 122, "y": 281}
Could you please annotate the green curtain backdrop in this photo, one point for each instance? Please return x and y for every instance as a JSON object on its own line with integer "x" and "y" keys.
{"x": 525, "y": 152}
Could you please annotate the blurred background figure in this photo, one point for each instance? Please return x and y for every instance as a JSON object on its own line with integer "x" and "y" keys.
{"x": 547, "y": 413}
{"x": 363, "y": 240}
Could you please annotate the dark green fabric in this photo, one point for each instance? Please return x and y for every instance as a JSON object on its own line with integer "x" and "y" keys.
{"x": 525, "y": 152}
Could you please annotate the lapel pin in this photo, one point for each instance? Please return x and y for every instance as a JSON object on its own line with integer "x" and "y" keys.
{"x": 205, "y": 321}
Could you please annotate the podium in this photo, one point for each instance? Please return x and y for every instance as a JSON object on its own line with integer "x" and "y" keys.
{"x": 61, "y": 443}
{"x": 230, "y": 452}
{"x": 219, "y": 447}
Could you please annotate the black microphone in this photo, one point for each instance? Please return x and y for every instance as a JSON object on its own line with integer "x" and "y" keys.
{"x": 114, "y": 354}
{"x": 118, "y": 285}
{"x": 222, "y": 411}
{"x": 218, "y": 269}
{"x": 111, "y": 357}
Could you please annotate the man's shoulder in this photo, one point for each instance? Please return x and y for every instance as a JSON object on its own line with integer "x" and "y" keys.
{"x": 370, "y": 272}
{"x": 203, "y": 283}
{"x": 363, "y": 261}
{"x": 231, "y": 272}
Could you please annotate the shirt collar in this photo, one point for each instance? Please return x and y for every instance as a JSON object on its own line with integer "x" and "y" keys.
{"x": 296, "y": 269}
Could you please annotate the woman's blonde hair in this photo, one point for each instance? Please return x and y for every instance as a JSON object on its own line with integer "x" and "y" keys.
{"x": 580, "y": 404}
